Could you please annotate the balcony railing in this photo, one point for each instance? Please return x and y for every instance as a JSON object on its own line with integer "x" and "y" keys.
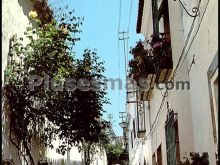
{"x": 142, "y": 63}
{"x": 162, "y": 53}
{"x": 154, "y": 64}
{"x": 156, "y": 60}
{"x": 145, "y": 94}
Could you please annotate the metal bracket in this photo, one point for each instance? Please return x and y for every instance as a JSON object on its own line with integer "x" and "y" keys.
{"x": 195, "y": 10}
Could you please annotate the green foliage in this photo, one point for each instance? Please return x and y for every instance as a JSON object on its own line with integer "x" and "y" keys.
{"x": 141, "y": 64}
{"x": 115, "y": 149}
{"x": 72, "y": 116}
{"x": 116, "y": 154}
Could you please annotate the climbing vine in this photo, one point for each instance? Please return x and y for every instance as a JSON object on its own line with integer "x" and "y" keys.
{"x": 73, "y": 116}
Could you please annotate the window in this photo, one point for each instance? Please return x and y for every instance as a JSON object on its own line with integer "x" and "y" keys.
{"x": 154, "y": 159}
{"x": 132, "y": 145}
{"x": 163, "y": 17}
{"x": 170, "y": 139}
{"x": 215, "y": 103}
{"x": 134, "y": 129}
{"x": 141, "y": 119}
{"x": 155, "y": 18}
{"x": 213, "y": 94}
{"x": 159, "y": 156}
{"x": 177, "y": 141}
{"x": 145, "y": 162}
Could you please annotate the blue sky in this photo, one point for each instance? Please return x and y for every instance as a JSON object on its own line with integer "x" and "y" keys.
{"x": 100, "y": 31}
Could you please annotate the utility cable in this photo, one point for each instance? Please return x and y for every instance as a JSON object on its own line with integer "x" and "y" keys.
{"x": 127, "y": 47}
{"x": 128, "y": 29}
{"x": 175, "y": 73}
{"x": 119, "y": 67}
{"x": 129, "y": 18}
{"x": 185, "y": 45}
{"x": 195, "y": 34}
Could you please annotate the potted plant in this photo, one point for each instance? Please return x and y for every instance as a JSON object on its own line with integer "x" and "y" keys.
{"x": 196, "y": 159}
{"x": 141, "y": 65}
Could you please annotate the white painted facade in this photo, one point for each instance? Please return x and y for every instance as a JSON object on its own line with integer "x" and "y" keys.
{"x": 73, "y": 157}
{"x": 14, "y": 21}
{"x": 193, "y": 107}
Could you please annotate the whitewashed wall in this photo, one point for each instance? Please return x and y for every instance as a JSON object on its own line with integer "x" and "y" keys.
{"x": 204, "y": 47}
{"x": 192, "y": 106}
{"x": 74, "y": 156}
{"x": 14, "y": 21}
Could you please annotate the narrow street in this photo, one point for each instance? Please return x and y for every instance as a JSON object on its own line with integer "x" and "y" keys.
{"x": 114, "y": 82}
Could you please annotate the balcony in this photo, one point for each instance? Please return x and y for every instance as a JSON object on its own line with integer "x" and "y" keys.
{"x": 162, "y": 57}
{"x": 154, "y": 64}
{"x": 154, "y": 61}
{"x": 145, "y": 94}
{"x": 142, "y": 63}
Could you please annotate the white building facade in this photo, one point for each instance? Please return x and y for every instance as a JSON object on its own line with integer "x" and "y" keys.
{"x": 14, "y": 22}
{"x": 178, "y": 121}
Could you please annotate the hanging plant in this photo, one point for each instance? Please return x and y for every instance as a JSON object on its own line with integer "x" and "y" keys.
{"x": 196, "y": 159}
{"x": 141, "y": 65}
{"x": 159, "y": 45}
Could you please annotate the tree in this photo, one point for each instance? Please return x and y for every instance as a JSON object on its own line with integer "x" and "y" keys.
{"x": 116, "y": 153}
{"x": 74, "y": 116}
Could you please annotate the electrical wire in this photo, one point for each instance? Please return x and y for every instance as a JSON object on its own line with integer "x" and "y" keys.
{"x": 119, "y": 67}
{"x": 175, "y": 71}
{"x": 157, "y": 115}
{"x": 125, "y": 54}
{"x": 127, "y": 45}
{"x": 129, "y": 18}
{"x": 119, "y": 20}
{"x": 128, "y": 29}
{"x": 185, "y": 45}
{"x": 194, "y": 35}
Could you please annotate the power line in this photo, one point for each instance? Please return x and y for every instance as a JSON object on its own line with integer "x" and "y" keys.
{"x": 127, "y": 51}
{"x": 119, "y": 68}
{"x": 163, "y": 99}
{"x": 195, "y": 34}
{"x": 129, "y": 18}
{"x": 125, "y": 56}
{"x": 119, "y": 21}
{"x": 185, "y": 45}
{"x": 128, "y": 28}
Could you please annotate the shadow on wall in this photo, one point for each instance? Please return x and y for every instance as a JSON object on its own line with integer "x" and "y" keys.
{"x": 26, "y": 6}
